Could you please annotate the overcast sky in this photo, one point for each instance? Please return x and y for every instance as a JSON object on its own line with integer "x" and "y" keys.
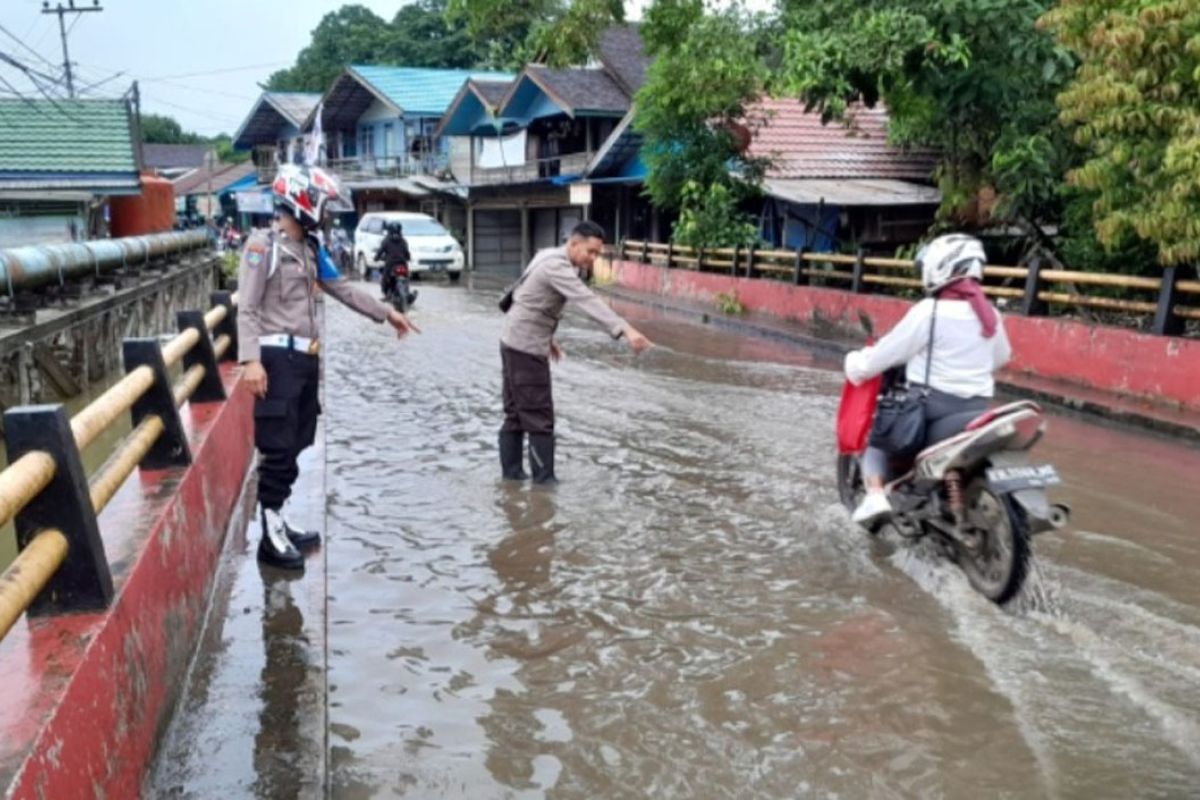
{"x": 198, "y": 61}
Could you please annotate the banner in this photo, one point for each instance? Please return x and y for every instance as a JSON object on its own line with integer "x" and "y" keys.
{"x": 254, "y": 202}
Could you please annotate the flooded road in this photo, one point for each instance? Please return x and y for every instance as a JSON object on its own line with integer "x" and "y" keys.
{"x": 691, "y": 614}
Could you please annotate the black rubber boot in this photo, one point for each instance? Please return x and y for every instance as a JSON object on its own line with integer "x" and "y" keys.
{"x": 300, "y": 538}
{"x": 511, "y": 456}
{"x": 541, "y": 457}
{"x": 274, "y": 547}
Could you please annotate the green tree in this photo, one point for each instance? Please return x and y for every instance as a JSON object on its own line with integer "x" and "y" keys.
{"x": 1135, "y": 107}
{"x": 975, "y": 79}
{"x": 555, "y": 32}
{"x": 692, "y": 116}
{"x": 160, "y": 129}
{"x": 424, "y": 35}
{"x": 351, "y": 35}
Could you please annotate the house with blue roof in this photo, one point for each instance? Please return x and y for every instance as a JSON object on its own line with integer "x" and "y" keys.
{"x": 272, "y": 130}
{"x": 379, "y": 121}
{"x": 548, "y": 149}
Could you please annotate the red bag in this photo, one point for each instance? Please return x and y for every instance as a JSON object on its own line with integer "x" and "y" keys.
{"x": 855, "y": 414}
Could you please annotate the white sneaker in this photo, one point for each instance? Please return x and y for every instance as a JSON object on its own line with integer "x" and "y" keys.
{"x": 873, "y": 506}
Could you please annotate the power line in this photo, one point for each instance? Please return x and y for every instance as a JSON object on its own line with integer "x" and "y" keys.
{"x": 213, "y": 72}
{"x": 21, "y": 42}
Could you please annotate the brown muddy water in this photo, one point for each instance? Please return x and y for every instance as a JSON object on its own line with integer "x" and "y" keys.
{"x": 691, "y": 614}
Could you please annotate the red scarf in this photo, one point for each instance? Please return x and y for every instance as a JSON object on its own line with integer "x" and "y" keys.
{"x": 969, "y": 289}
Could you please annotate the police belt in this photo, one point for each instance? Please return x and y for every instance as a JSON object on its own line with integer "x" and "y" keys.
{"x": 300, "y": 343}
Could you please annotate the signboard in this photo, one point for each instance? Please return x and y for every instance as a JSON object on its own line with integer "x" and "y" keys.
{"x": 581, "y": 194}
{"x": 254, "y": 202}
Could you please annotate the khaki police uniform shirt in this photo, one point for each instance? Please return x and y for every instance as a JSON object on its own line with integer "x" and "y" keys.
{"x": 277, "y": 282}
{"x": 550, "y": 282}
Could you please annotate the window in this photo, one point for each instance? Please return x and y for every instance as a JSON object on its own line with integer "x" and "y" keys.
{"x": 422, "y": 227}
{"x": 385, "y": 149}
{"x": 368, "y": 142}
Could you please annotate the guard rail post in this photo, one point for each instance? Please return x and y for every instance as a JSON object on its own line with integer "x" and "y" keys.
{"x": 857, "y": 284}
{"x": 1031, "y": 304}
{"x": 210, "y": 390}
{"x": 670, "y": 253}
{"x": 1166, "y": 321}
{"x": 798, "y": 278}
{"x": 750, "y": 261}
{"x": 645, "y": 251}
{"x": 84, "y": 581}
{"x": 171, "y": 448}
{"x": 228, "y": 326}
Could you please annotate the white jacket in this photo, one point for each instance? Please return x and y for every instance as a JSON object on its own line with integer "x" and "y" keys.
{"x": 963, "y": 360}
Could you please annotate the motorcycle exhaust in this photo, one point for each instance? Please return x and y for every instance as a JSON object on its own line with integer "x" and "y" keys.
{"x": 1060, "y": 515}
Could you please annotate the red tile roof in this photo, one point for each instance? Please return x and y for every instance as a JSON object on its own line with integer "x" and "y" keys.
{"x": 804, "y": 148}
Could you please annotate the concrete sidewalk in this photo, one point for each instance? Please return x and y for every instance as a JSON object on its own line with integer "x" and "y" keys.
{"x": 252, "y": 722}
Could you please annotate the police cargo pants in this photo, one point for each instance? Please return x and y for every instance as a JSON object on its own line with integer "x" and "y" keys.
{"x": 528, "y": 403}
{"x": 285, "y": 421}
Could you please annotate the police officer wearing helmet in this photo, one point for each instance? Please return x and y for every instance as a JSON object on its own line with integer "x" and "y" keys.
{"x": 955, "y": 336}
{"x": 279, "y": 343}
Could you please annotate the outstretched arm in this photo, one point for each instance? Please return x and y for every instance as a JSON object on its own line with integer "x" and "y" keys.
{"x": 901, "y": 343}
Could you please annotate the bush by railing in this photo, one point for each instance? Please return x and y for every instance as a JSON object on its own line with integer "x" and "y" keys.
{"x": 62, "y": 566}
{"x": 1174, "y": 300}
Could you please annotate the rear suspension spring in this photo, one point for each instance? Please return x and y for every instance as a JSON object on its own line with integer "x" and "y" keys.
{"x": 954, "y": 493}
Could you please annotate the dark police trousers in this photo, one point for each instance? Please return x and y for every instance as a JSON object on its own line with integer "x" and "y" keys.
{"x": 528, "y": 403}
{"x": 285, "y": 421}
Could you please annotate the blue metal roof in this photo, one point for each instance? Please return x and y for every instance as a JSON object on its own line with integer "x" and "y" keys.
{"x": 418, "y": 90}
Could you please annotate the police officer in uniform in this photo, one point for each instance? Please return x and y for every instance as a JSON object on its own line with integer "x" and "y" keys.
{"x": 279, "y": 346}
{"x": 553, "y": 278}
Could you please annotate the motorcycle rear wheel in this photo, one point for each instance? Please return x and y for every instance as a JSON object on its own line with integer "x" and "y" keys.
{"x": 998, "y": 566}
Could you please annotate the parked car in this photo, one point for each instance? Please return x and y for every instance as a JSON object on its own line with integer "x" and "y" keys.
{"x": 433, "y": 249}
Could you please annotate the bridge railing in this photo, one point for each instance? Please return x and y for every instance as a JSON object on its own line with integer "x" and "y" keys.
{"x": 1169, "y": 300}
{"x": 61, "y": 566}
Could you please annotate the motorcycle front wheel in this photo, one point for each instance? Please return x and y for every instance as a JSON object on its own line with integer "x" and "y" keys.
{"x": 998, "y": 560}
{"x": 849, "y": 481}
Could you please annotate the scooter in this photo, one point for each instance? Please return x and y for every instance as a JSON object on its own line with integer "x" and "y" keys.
{"x": 398, "y": 292}
{"x": 978, "y": 494}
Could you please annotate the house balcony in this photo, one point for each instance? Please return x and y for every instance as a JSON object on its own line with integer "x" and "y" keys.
{"x": 367, "y": 168}
{"x": 531, "y": 171}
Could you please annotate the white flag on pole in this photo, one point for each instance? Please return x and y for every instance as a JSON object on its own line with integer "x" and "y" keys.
{"x": 316, "y": 140}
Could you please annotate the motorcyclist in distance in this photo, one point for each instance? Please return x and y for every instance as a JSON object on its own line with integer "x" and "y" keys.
{"x": 969, "y": 344}
{"x": 392, "y": 250}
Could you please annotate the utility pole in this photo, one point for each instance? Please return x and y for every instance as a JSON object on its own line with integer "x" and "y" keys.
{"x": 62, "y": 11}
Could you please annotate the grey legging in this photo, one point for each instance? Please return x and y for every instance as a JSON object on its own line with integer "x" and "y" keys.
{"x": 945, "y": 416}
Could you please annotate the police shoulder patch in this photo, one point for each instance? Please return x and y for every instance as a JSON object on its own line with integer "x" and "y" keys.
{"x": 255, "y": 255}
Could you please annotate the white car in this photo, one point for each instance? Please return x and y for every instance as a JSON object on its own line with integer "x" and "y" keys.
{"x": 432, "y": 247}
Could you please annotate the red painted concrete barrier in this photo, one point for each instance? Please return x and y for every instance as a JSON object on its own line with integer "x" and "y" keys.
{"x": 85, "y": 697}
{"x": 1094, "y": 357}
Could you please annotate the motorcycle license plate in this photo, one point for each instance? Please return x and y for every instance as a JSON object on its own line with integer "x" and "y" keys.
{"x": 1007, "y": 479}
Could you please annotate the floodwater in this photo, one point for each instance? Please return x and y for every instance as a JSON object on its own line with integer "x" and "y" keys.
{"x": 690, "y": 612}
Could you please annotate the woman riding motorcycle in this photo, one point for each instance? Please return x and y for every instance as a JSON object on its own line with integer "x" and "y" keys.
{"x": 969, "y": 345}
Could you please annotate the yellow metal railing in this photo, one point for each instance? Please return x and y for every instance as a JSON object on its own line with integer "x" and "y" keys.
{"x": 26, "y": 477}
{"x": 838, "y": 268}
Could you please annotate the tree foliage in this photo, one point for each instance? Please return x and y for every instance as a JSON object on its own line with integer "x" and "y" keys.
{"x": 160, "y": 129}
{"x": 1135, "y": 107}
{"x": 420, "y": 35}
{"x": 692, "y": 113}
{"x": 975, "y": 79}
{"x": 555, "y": 32}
